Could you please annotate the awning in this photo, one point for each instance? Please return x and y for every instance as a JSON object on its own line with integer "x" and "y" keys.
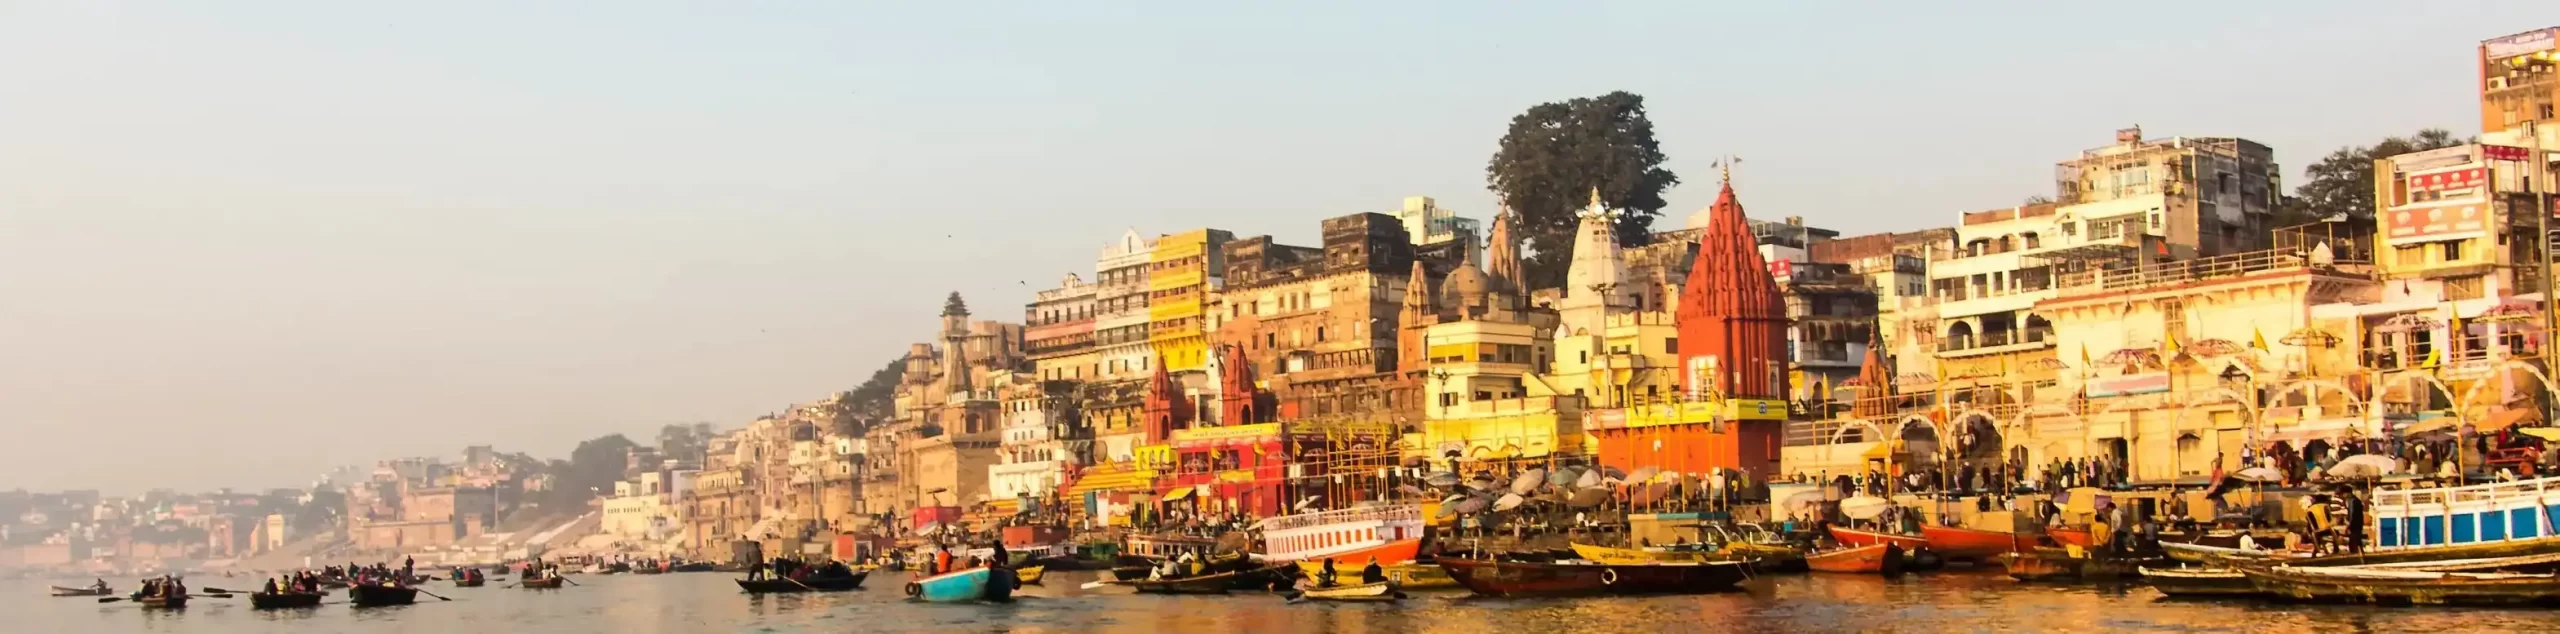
{"x": 2509, "y": 417}
{"x": 1878, "y": 452}
{"x": 2298, "y": 436}
{"x": 1106, "y": 479}
{"x": 1176, "y": 494}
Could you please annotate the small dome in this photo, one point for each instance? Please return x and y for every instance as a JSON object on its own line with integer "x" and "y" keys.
{"x": 1466, "y": 286}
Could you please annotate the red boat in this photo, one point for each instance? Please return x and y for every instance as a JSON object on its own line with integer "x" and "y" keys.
{"x": 1529, "y": 579}
{"x": 1855, "y": 537}
{"x": 1968, "y": 543}
{"x": 1860, "y": 559}
{"x": 2071, "y": 536}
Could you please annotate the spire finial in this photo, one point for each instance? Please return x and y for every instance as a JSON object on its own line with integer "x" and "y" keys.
{"x": 1726, "y": 165}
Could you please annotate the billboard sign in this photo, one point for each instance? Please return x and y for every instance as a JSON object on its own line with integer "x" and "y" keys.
{"x": 2451, "y": 222}
{"x": 2525, "y": 43}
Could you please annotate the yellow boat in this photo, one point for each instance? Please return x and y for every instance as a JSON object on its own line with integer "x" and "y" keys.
{"x": 1030, "y": 575}
{"x": 1632, "y": 556}
{"x": 1407, "y": 576}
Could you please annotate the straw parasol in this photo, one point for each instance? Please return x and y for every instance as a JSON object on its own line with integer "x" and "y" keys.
{"x": 2411, "y": 322}
{"x": 2310, "y": 337}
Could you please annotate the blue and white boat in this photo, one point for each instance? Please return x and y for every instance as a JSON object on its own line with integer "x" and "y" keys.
{"x": 974, "y": 584}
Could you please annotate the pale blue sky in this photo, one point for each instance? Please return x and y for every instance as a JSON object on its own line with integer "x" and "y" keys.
{"x": 243, "y": 241}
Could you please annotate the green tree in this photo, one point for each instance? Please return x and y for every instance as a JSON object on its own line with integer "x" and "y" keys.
{"x": 1556, "y": 153}
{"x": 591, "y": 469}
{"x": 872, "y": 398}
{"x": 2342, "y": 182}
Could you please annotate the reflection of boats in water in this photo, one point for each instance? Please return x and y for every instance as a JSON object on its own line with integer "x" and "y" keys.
{"x": 1369, "y": 592}
{"x": 815, "y": 583}
{"x": 1534, "y": 579}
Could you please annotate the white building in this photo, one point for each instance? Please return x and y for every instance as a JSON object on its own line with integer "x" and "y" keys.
{"x": 1429, "y": 223}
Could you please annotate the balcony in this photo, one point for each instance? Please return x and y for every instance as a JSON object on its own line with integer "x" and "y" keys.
{"x": 1995, "y": 342}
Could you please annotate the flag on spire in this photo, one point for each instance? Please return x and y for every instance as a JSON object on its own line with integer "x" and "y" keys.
{"x": 2258, "y": 338}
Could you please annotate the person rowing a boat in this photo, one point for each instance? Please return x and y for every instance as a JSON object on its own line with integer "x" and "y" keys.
{"x": 1325, "y": 579}
{"x": 1372, "y": 573}
{"x": 100, "y": 586}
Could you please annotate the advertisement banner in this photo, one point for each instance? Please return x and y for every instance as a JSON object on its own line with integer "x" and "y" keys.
{"x": 2451, "y": 222}
{"x": 2503, "y": 153}
{"x": 2525, "y": 43}
{"x": 2449, "y": 179}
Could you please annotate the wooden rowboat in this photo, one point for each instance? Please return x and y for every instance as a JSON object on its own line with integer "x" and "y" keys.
{"x": 546, "y": 583}
{"x": 1203, "y": 584}
{"x": 1856, "y": 560}
{"x": 2201, "y": 554}
{"x": 1768, "y": 557}
{"x": 815, "y": 583}
{"x": 1030, "y": 575}
{"x": 282, "y": 600}
{"x": 974, "y": 584}
{"x": 472, "y": 582}
{"x": 1855, "y": 537}
{"x": 1407, "y": 576}
{"x": 1371, "y": 592}
{"x": 371, "y": 595}
{"x": 2415, "y": 588}
{"x": 171, "y": 602}
{"x": 2199, "y": 582}
{"x": 60, "y": 591}
{"x": 2524, "y": 563}
{"x": 2031, "y": 566}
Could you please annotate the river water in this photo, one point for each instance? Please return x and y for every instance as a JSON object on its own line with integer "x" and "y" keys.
{"x": 1957, "y": 601}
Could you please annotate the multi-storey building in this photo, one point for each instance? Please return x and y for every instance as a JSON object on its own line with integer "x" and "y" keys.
{"x": 2520, "y": 79}
{"x": 1831, "y": 317}
{"x": 1181, "y": 273}
{"x": 1058, "y": 333}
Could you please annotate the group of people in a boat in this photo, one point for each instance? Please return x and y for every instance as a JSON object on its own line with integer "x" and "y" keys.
{"x": 300, "y": 582}
{"x": 945, "y": 562}
{"x": 469, "y": 574}
{"x": 797, "y": 570}
{"x": 535, "y": 570}
{"x": 1326, "y": 578}
{"x": 379, "y": 573}
{"x": 162, "y": 587}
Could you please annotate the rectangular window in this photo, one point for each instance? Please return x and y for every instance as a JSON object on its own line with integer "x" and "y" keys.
{"x": 2452, "y": 251}
{"x": 2465, "y": 287}
{"x": 1671, "y": 345}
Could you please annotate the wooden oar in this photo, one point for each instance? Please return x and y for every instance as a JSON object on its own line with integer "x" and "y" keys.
{"x": 425, "y": 592}
{"x": 110, "y": 599}
{"x": 797, "y": 582}
{"x": 1098, "y": 584}
{"x": 573, "y": 582}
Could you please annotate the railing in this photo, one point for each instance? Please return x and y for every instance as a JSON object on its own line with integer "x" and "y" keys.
{"x": 2158, "y": 274}
{"x": 1995, "y": 339}
{"x": 1396, "y": 513}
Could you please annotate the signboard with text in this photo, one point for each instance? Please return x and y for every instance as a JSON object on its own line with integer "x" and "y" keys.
{"x": 2449, "y": 179}
{"x": 2503, "y": 153}
{"x": 2450, "y": 222}
{"x": 2525, "y": 43}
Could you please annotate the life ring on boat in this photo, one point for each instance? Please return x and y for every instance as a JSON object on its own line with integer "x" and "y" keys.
{"x": 1609, "y": 577}
{"x": 914, "y": 588}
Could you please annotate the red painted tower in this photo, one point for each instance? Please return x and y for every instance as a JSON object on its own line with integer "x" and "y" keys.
{"x": 1733, "y": 351}
{"x": 1168, "y": 409}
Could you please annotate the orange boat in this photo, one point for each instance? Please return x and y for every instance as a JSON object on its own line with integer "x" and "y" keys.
{"x": 1861, "y": 559}
{"x": 1855, "y": 537}
{"x": 2071, "y": 536}
{"x": 1968, "y": 543}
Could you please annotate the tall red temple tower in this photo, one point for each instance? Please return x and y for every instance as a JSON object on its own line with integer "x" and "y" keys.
{"x": 1733, "y": 351}
{"x": 1168, "y": 409}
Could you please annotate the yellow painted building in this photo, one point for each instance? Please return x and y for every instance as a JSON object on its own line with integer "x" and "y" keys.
{"x": 1182, "y": 271}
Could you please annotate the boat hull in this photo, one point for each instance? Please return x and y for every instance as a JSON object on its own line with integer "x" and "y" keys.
{"x": 1526, "y": 579}
{"x": 368, "y": 595}
{"x": 1855, "y": 537}
{"x": 1635, "y": 556}
{"x": 2486, "y": 550}
{"x": 2199, "y": 582}
{"x": 1030, "y": 575}
{"x": 1218, "y": 583}
{"x": 1858, "y": 560}
{"x": 164, "y": 603}
{"x": 965, "y": 586}
{"x": 60, "y": 591}
{"x": 2037, "y": 567}
{"x": 2291, "y": 584}
{"x": 470, "y": 583}
{"x": 812, "y": 584}
{"x": 1387, "y": 554}
{"x": 1968, "y": 543}
{"x": 1373, "y": 592}
{"x": 544, "y": 584}
{"x": 284, "y": 600}
{"x": 1412, "y": 576}
{"x": 2071, "y": 537}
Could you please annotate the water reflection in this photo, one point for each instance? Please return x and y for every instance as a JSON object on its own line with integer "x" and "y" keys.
{"x": 1939, "y": 602}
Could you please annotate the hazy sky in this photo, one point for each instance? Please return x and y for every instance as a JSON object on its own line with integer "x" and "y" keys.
{"x": 241, "y": 242}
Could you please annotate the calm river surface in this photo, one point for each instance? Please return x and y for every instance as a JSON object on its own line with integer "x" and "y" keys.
{"x": 1958, "y": 601}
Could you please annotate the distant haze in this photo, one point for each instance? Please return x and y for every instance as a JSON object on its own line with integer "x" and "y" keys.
{"x": 241, "y": 242}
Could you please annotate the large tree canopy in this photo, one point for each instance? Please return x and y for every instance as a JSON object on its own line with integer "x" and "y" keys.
{"x": 2342, "y": 182}
{"x": 1552, "y": 157}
